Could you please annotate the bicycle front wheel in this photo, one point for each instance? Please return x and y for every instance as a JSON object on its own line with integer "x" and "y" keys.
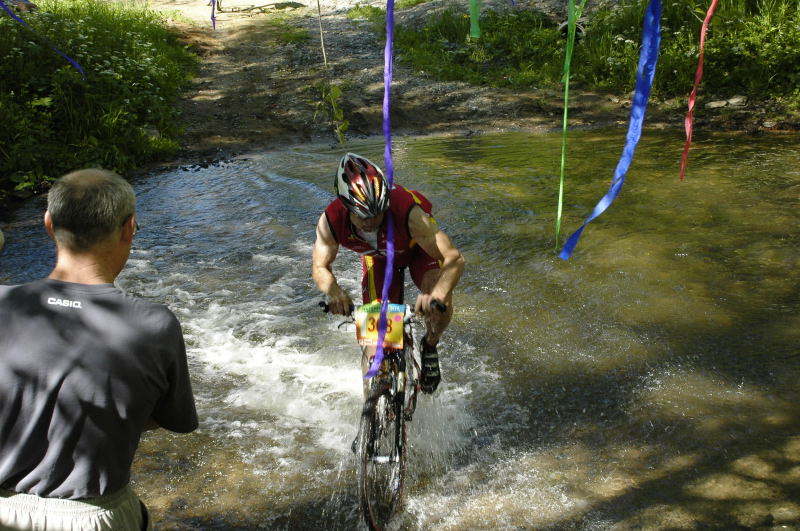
{"x": 382, "y": 444}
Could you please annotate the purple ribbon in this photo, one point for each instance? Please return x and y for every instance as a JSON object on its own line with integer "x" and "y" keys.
{"x": 389, "y": 164}
{"x": 53, "y": 46}
{"x": 213, "y": 18}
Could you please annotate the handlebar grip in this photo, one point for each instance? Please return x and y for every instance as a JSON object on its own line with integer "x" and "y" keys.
{"x": 438, "y": 305}
{"x": 327, "y": 309}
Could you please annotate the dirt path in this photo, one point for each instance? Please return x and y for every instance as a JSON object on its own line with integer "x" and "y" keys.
{"x": 255, "y": 89}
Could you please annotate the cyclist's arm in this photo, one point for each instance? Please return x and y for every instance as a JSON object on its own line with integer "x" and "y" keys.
{"x": 324, "y": 253}
{"x": 436, "y": 243}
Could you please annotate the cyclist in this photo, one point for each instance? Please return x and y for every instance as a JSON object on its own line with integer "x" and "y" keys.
{"x": 358, "y": 220}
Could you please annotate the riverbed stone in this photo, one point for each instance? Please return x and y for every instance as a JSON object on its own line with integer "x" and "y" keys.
{"x": 786, "y": 512}
{"x": 716, "y": 104}
{"x": 737, "y": 101}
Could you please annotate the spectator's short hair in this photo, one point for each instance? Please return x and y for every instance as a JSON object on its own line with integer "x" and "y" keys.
{"x": 88, "y": 206}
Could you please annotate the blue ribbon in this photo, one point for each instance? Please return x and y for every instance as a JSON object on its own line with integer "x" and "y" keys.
{"x": 651, "y": 39}
{"x": 53, "y": 46}
{"x": 389, "y": 165}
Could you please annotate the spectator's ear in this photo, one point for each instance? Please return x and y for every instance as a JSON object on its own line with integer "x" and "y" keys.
{"x": 48, "y": 225}
{"x": 129, "y": 229}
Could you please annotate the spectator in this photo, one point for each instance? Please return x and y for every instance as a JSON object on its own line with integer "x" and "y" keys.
{"x": 84, "y": 370}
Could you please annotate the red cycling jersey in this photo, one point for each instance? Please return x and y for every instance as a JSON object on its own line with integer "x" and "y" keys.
{"x": 406, "y": 251}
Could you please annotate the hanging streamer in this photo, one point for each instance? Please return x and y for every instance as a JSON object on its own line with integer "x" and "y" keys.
{"x": 53, "y": 46}
{"x": 389, "y": 171}
{"x": 213, "y": 15}
{"x": 651, "y": 39}
{"x": 693, "y": 96}
{"x": 573, "y": 15}
{"x": 474, "y": 18}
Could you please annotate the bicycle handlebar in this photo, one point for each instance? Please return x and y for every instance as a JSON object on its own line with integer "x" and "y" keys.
{"x": 436, "y": 304}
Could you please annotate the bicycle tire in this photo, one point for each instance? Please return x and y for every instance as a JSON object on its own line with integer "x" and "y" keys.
{"x": 381, "y": 454}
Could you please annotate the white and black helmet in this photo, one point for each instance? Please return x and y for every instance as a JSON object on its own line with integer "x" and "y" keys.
{"x": 361, "y": 186}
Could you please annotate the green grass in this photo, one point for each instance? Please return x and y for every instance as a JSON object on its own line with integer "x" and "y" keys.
{"x": 122, "y": 115}
{"x": 375, "y": 16}
{"x": 519, "y": 50}
{"x": 285, "y": 31}
{"x": 405, "y": 4}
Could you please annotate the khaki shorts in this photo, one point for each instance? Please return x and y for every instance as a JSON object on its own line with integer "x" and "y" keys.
{"x": 121, "y": 511}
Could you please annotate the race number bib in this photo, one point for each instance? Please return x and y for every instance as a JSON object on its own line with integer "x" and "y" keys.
{"x": 367, "y": 320}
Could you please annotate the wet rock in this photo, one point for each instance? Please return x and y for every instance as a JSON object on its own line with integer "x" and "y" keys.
{"x": 716, "y": 104}
{"x": 737, "y": 101}
{"x": 768, "y": 124}
{"x": 786, "y": 513}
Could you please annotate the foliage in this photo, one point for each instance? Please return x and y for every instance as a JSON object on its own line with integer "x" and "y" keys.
{"x": 753, "y": 48}
{"x": 123, "y": 114}
{"x": 522, "y": 49}
{"x": 329, "y": 104}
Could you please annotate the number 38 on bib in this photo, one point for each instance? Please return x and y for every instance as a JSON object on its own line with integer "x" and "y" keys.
{"x": 367, "y": 321}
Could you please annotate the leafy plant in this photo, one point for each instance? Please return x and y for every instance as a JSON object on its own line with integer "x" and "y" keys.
{"x": 329, "y": 104}
{"x": 121, "y": 115}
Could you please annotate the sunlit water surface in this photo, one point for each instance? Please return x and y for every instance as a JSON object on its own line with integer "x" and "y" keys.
{"x": 651, "y": 380}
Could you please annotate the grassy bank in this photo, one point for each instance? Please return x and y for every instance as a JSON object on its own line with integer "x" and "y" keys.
{"x": 753, "y": 49}
{"x": 121, "y": 115}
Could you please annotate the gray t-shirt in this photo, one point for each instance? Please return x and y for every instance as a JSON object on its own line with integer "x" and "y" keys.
{"x": 82, "y": 369}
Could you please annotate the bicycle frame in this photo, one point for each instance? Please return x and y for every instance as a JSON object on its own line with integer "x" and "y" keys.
{"x": 390, "y": 402}
{"x": 396, "y": 362}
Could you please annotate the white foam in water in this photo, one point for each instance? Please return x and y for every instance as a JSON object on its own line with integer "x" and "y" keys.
{"x": 494, "y": 493}
{"x": 274, "y": 375}
{"x": 277, "y": 377}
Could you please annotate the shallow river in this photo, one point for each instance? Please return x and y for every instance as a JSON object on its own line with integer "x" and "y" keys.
{"x": 651, "y": 380}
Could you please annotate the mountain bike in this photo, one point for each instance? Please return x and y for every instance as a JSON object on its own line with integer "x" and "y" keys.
{"x": 381, "y": 444}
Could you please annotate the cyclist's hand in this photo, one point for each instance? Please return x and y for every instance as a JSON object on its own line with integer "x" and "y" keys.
{"x": 340, "y": 303}
{"x": 427, "y": 304}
